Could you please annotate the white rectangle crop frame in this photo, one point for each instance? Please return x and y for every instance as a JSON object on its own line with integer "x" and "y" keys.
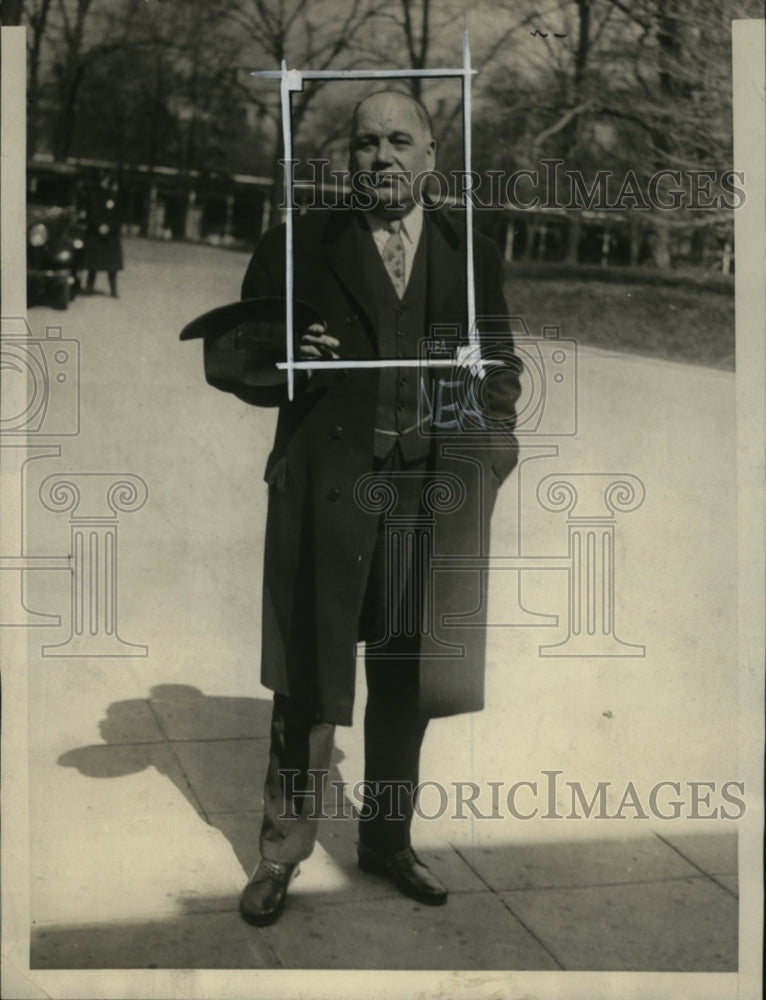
{"x": 292, "y": 80}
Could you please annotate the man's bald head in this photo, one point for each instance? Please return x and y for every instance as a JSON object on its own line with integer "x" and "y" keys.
{"x": 415, "y": 105}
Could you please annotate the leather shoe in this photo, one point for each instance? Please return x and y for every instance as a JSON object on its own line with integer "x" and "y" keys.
{"x": 263, "y": 898}
{"x": 407, "y": 872}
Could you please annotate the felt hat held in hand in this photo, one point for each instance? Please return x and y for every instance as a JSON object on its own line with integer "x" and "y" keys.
{"x": 245, "y": 340}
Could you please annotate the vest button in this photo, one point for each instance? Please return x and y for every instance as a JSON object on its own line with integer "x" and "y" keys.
{"x": 333, "y": 494}
{"x": 402, "y": 383}
{"x": 400, "y": 407}
{"x": 336, "y": 432}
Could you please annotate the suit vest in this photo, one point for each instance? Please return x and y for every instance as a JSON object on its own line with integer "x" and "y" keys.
{"x": 400, "y": 327}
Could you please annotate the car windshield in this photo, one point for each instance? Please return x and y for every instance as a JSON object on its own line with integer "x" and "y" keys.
{"x": 51, "y": 189}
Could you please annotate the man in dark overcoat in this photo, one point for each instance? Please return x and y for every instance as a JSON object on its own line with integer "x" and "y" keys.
{"x": 102, "y": 246}
{"x": 381, "y": 484}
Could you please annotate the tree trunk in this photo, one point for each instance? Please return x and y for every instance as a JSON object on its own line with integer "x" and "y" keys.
{"x": 36, "y": 29}
{"x": 63, "y": 133}
{"x": 417, "y": 43}
{"x": 71, "y": 78}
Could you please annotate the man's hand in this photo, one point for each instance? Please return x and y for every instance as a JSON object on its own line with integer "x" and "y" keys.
{"x": 317, "y": 343}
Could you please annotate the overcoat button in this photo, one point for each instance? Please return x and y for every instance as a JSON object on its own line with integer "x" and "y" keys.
{"x": 333, "y": 494}
{"x": 336, "y": 431}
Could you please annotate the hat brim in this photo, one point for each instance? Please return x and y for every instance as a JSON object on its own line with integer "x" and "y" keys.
{"x": 268, "y": 310}
{"x": 246, "y": 340}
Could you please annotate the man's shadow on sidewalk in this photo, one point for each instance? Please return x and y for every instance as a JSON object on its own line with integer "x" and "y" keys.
{"x": 647, "y": 904}
{"x": 215, "y": 750}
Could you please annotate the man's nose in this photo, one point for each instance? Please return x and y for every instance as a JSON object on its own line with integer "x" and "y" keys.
{"x": 384, "y": 154}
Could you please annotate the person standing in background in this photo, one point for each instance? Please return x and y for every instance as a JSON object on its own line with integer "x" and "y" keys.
{"x": 102, "y": 249}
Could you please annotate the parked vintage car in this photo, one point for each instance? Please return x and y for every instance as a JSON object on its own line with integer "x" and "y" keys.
{"x": 54, "y": 235}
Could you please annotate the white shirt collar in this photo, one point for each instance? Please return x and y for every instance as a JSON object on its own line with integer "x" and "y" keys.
{"x": 411, "y": 225}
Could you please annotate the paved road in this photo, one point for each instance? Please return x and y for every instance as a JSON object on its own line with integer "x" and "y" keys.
{"x": 144, "y": 869}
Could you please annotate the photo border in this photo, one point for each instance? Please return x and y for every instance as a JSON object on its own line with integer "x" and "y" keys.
{"x": 18, "y": 982}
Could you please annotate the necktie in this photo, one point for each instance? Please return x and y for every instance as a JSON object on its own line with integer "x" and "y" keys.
{"x": 393, "y": 258}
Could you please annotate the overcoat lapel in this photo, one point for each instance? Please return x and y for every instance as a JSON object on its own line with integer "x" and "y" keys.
{"x": 446, "y": 271}
{"x": 344, "y": 240}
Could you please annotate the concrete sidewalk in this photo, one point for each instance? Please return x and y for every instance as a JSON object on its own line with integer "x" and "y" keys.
{"x": 146, "y": 771}
{"x": 144, "y": 871}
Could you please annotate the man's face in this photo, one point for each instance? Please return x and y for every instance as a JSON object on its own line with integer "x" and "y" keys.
{"x": 389, "y": 140}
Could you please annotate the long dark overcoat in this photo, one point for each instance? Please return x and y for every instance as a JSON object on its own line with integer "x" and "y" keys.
{"x": 322, "y": 514}
{"x": 103, "y": 251}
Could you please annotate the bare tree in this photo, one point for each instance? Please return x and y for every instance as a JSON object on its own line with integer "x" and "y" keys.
{"x": 630, "y": 88}
{"x": 310, "y": 34}
{"x": 427, "y": 35}
{"x": 680, "y": 91}
{"x": 413, "y": 18}
{"x": 69, "y": 71}
{"x": 81, "y": 35}
{"x": 598, "y": 83}
{"x": 36, "y": 18}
